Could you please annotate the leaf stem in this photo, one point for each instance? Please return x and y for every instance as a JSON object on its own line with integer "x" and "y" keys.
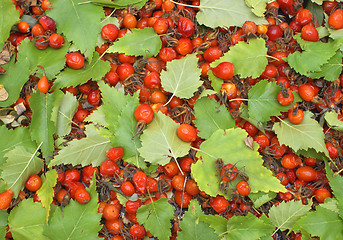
{"x": 85, "y": 2}
{"x": 199, "y": 150}
{"x": 182, "y": 4}
{"x": 235, "y": 99}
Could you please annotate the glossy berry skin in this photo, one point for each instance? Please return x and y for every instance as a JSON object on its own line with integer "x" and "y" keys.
{"x": 262, "y": 141}
{"x": 178, "y": 182}
{"x": 243, "y": 188}
{"x": 250, "y": 129}
{"x": 185, "y": 164}
{"x": 212, "y": 53}
{"x": 5, "y": 199}
{"x": 186, "y": 133}
{"x": 82, "y": 196}
{"x": 219, "y": 204}
{"x": 109, "y": 32}
{"x": 127, "y": 188}
{"x": 56, "y": 41}
{"x": 124, "y": 71}
{"x": 87, "y": 173}
{"x": 182, "y": 198}
{"x": 132, "y": 206}
{"x": 23, "y": 27}
{"x": 144, "y": 113}
{"x": 336, "y": 19}
{"x": 137, "y": 231}
{"x": 81, "y": 114}
{"x": 47, "y": 23}
{"x": 72, "y": 175}
{"x": 75, "y": 60}
{"x": 274, "y": 32}
{"x": 108, "y": 168}
{"x": 192, "y": 187}
{"x": 285, "y": 100}
{"x": 303, "y": 17}
{"x": 309, "y": 33}
{"x": 321, "y": 194}
{"x": 140, "y": 181}
{"x": 295, "y": 116}
{"x": 224, "y": 70}
{"x": 306, "y": 92}
{"x": 43, "y": 84}
{"x": 289, "y": 161}
{"x": 33, "y": 183}
{"x": 115, "y": 153}
{"x": 333, "y": 152}
{"x": 306, "y": 173}
{"x": 185, "y": 27}
{"x": 231, "y": 172}
{"x": 111, "y": 212}
{"x": 94, "y": 97}
{"x": 152, "y": 80}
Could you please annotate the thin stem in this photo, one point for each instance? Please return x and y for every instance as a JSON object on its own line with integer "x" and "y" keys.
{"x": 85, "y": 2}
{"x": 42, "y": 69}
{"x": 182, "y": 4}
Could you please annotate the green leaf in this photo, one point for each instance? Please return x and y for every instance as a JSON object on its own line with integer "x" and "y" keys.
{"x": 142, "y": 42}
{"x": 192, "y": 227}
{"x": 247, "y": 227}
{"x": 313, "y": 56}
{"x": 80, "y": 23}
{"x": 218, "y": 223}
{"x": 27, "y": 221}
{"x": 62, "y": 113}
{"x": 210, "y": 116}
{"x": 316, "y": 11}
{"x": 12, "y": 138}
{"x": 263, "y": 101}
{"x": 120, "y": 4}
{"x": 19, "y": 166}
{"x": 257, "y": 7}
{"x": 336, "y": 184}
{"x": 216, "y": 82}
{"x": 53, "y": 60}
{"x": 77, "y": 221}
{"x": 94, "y": 70}
{"x": 14, "y": 79}
{"x": 98, "y": 117}
{"x": 305, "y": 135}
{"x": 323, "y": 223}
{"x": 9, "y": 16}
{"x": 41, "y": 105}
{"x": 226, "y": 13}
{"x": 3, "y": 223}
{"x": 156, "y": 218}
{"x": 46, "y": 191}
{"x": 89, "y": 150}
{"x": 230, "y": 147}
{"x": 182, "y": 77}
{"x": 331, "y": 204}
{"x": 249, "y": 59}
{"x": 331, "y": 70}
{"x": 261, "y": 198}
{"x": 333, "y": 121}
{"x": 160, "y": 142}
{"x": 284, "y": 215}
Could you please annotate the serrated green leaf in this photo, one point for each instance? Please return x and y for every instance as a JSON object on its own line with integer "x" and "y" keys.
{"x": 261, "y": 198}
{"x": 331, "y": 204}
{"x": 313, "y": 56}
{"x": 284, "y": 215}
{"x": 230, "y": 147}
{"x": 257, "y": 7}
{"x": 330, "y": 70}
{"x": 182, "y": 77}
{"x": 205, "y": 93}
{"x": 94, "y": 70}
{"x": 336, "y": 184}
{"x": 333, "y": 121}
{"x": 12, "y": 138}
{"x": 9, "y": 16}
{"x": 160, "y": 142}
{"x": 303, "y": 136}
{"x": 46, "y": 191}
{"x": 323, "y": 223}
{"x": 316, "y": 11}
{"x": 210, "y": 116}
{"x": 193, "y": 228}
{"x": 85, "y": 19}
{"x": 77, "y": 221}
{"x": 142, "y": 42}
{"x": 3, "y": 223}
{"x": 120, "y": 4}
{"x": 263, "y": 101}
{"x": 249, "y": 59}
{"x": 125, "y": 133}
{"x": 216, "y": 82}
{"x": 27, "y": 221}
{"x": 98, "y": 117}
{"x": 41, "y": 105}
{"x": 247, "y": 227}
{"x": 14, "y": 79}
{"x": 335, "y": 33}
{"x": 53, "y": 60}
{"x": 156, "y": 217}
{"x": 19, "y": 166}
{"x": 62, "y": 113}
{"x": 89, "y": 150}
{"x": 226, "y": 13}
{"x": 218, "y": 223}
